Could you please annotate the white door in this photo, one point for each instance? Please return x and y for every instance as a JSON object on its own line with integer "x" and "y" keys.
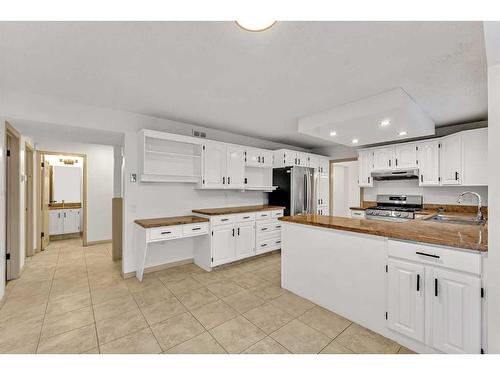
{"x": 323, "y": 190}
{"x": 235, "y": 167}
{"x": 405, "y": 156}
{"x": 55, "y": 222}
{"x": 365, "y": 167}
{"x": 323, "y": 166}
{"x": 223, "y": 244}
{"x": 451, "y": 160}
{"x": 245, "y": 240}
{"x": 214, "y": 165}
{"x": 383, "y": 158}
{"x": 456, "y": 311}
{"x": 428, "y": 163}
{"x": 405, "y": 298}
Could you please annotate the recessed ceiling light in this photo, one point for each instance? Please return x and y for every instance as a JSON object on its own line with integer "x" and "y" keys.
{"x": 403, "y": 133}
{"x": 385, "y": 123}
{"x": 355, "y": 140}
{"x": 255, "y": 25}
{"x": 333, "y": 134}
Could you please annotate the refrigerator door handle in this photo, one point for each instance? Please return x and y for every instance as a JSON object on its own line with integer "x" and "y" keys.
{"x": 305, "y": 195}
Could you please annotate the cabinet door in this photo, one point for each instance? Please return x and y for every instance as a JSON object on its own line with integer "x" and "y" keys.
{"x": 214, "y": 165}
{"x": 313, "y": 162}
{"x": 475, "y": 156}
{"x": 323, "y": 191}
{"x": 245, "y": 240}
{"x": 235, "y": 167}
{"x": 323, "y": 210}
{"x": 266, "y": 158}
{"x": 300, "y": 159}
{"x": 223, "y": 244}
{"x": 428, "y": 163}
{"x": 405, "y": 298}
{"x": 252, "y": 158}
{"x": 456, "y": 311}
{"x": 55, "y": 222}
{"x": 69, "y": 221}
{"x": 451, "y": 160}
{"x": 383, "y": 158}
{"x": 405, "y": 156}
{"x": 365, "y": 167}
{"x": 324, "y": 166}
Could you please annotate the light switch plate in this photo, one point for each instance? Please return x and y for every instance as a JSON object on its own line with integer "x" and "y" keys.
{"x": 133, "y": 177}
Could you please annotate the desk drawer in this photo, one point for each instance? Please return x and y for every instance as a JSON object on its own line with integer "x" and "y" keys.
{"x": 194, "y": 229}
{"x": 165, "y": 233}
{"x": 222, "y": 219}
{"x": 248, "y": 216}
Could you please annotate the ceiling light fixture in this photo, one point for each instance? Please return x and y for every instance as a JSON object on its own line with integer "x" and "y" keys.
{"x": 385, "y": 123}
{"x": 403, "y": 133}
{"x": 333, "y": 134}
{"x": 255, "y": 25}
{"x": 355, "y": 140}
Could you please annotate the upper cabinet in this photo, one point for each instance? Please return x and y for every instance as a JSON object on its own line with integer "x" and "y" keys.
{"x": 475, "y": 157}
{"x": 235, "y": 167}
{"x": 257, "y": 157}
{"x": 214, "y": 165}
{"x": 451, "y": 160}
{"x": 428, "y": 163}
{"x": 405, "y": 156}
{"x": 290, "y": 158}
{"x": 365, "y": 167}
{"x": 383, "y": 158}
{"x": 323, "y": 166}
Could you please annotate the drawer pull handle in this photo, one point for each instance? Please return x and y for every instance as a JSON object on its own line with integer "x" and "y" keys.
{"x": 166, "y": 232}
{"x": 196, "y": 228}
{"x": 278, "y": 226}
{"x": 418, "y": 282}
{"x": 246, "y": 217}
{"x": 263, "y": 245}
{"x": 263, "y": 229}
{"x": 278, "y": 241}
{"x": 224, "y": 219}
{"x": 428, "y": 255}
{"x": 435, "y": 287}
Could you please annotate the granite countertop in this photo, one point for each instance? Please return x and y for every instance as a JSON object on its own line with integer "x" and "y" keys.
{"x": 236, "y": 210}
{"x": 168, "y": 221}
{"x": 464, "y": 236}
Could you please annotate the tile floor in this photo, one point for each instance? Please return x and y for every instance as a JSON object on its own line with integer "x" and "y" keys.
{"x": 72, "y": 299}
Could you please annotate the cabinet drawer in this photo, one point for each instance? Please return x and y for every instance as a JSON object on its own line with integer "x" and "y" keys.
{"x": 269, "y": 244}
{"x": 165, "y": 233}
{"x": 268, "y": 226}
{"x": 222, "y": 219}
{"x": 194, "y": 229}
{"x": 357, "y": 214}
{"x": 263, "y": 215}
{"x": 277, "y": 213}
{"x": 249, "y": 216}
{"x": 436, "y": 256}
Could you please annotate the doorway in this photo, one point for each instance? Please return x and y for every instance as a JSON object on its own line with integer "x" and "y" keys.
{"x": 28, "y": 200}
{"x": 13, "y": 206}
{"x": 62, "y": 197}
{"x": 344, "y": 188}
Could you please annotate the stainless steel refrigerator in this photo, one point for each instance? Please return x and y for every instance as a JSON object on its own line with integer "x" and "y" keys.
{"x": 296, "y": 190}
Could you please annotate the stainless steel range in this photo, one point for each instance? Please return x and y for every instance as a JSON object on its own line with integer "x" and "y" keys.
{"x": 395, "y": 207}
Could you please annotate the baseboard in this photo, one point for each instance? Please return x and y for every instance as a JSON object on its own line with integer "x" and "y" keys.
{"x": 160, "y": 267}
{"x": 68, "y": 236}
{"x": 90, "y": 243}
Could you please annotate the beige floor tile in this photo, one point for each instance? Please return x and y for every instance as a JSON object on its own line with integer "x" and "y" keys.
{"x": 201, "y": 344}
{"x": 182, "y": 286}
{"x": 22, "y": 348}
{"x": 12, "y": 313}
{"x": 68, "y": 303}
{"x": 209, "y": 277}
{"x": 77, "y": 341}
{"x": 405, "y": 350}
{"x": 114, "y": 307}
{"x": 214, "y": 314}
{"x": 292, "y": 304}
{"x": 243, "y": 301}
{"x": 162, "y": 310}
{"x": 266, "y": 346}
{"x": 92, "y": 351}
{"x": 335, "y": 348}
{"x": 300, "y": 338}
{"x": 171, "y": 275}
{"x": 176, "y": 330}
{"x": 104, "y": 294}
{"x": 135, "y": 285}
{"x": 152, "y": 295}
{"x": 56, "y": 324}
{"x": 268, "y": 317}
{"x": 196, "y": 298}
{"x": 250, "y": 280}
{"x": 225, "y": 288}
{"x": 364, "y": 341}
{"x": 120, "y": 325}
{"x": 237, "y": 334}
{"x": 16, "y": 335}
{"x": 141, "y": 342}
{"x": 269, "y": 292}
{"x": 230, "y": 272}
{"x": 325, "y": 321}
{"x": 190, "y": 268}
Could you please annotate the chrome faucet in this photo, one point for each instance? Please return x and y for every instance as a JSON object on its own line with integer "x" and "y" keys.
{"x": 479, "y": 215}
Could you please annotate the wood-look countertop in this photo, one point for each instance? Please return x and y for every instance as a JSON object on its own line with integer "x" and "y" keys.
{"x": 168, "y": 221}
{"x": 461, "y": 236}
{"x": 236, "y": 210}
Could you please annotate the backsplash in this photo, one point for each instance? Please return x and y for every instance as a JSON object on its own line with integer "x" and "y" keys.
{"x": 432, "y": 195}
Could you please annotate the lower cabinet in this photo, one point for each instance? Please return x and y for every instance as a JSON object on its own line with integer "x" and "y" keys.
{"x": 224, "y": 244}
{"x": 64, "y": 221}
{"x": 433, "y": 304}
{"x": 245, "y": 240}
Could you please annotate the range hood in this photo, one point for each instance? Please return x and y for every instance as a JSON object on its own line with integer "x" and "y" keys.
{"x": 407, "y": 174}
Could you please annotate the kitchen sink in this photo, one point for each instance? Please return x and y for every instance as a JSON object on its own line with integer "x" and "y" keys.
{"x": 448, "y": 219}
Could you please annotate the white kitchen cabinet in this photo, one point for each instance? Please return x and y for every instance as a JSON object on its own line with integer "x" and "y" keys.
{"x": 64, "y": 221}
{"x": 405, "y": 298}
{"x": 214, "y": 165}
{"x": 456, "y": 311}
{"x": 323, "y": 191}
{"x": 313, "y": 161}
{"x": 475, "y": 157}
{"x": 323, "y": 210}
{"x": 256, "y": 157}
{"x": 324, "y": 166}
{"x": 405, "y": 156}
{"x": 55, "y": 222}
{"x": 235, "y": 167}
{"x": 383, "y": 158}
{"x": 428, "y": 163}
{"x": 245, "y": 239}
{"x": 357, "y": 214}
{"x": 451, "y": 160}
{"x": 301, "y": 159}
{"x": 223, "y": 244}
{"x": 365, "y": 165}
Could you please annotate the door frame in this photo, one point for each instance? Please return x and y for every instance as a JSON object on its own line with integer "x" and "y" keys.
{"x": 330, "y": 182}
{"x": 13, "y": 203}
{"x": 29, "y": 230}
{"x": 39, "y": 227}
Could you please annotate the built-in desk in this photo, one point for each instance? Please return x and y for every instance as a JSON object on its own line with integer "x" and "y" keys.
{"x": 165, "y": 229}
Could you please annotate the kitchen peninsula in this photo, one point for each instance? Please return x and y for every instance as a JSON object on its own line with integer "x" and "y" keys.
{"x": 417, "y": 282}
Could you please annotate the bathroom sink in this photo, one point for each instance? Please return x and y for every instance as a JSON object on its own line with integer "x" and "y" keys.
{"x": 448, "y": 219}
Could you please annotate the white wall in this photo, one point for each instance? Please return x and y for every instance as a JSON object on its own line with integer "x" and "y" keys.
{"x": 2, "y": 207}
{"x": 346, "y": 192}
{"x": 100, "y": 166}
{"x": 433, "y": 195}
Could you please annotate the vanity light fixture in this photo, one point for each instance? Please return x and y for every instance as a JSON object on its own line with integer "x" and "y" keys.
{"x": 255, "y": 25}
{"x": 355, "y": 141}
{"x": 333, "y": 134}
{"x": 385, "y": 123}
{"x": 401, "y": 133}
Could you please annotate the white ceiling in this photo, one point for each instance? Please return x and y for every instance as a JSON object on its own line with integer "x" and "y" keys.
{"x": 258, "y": 84}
